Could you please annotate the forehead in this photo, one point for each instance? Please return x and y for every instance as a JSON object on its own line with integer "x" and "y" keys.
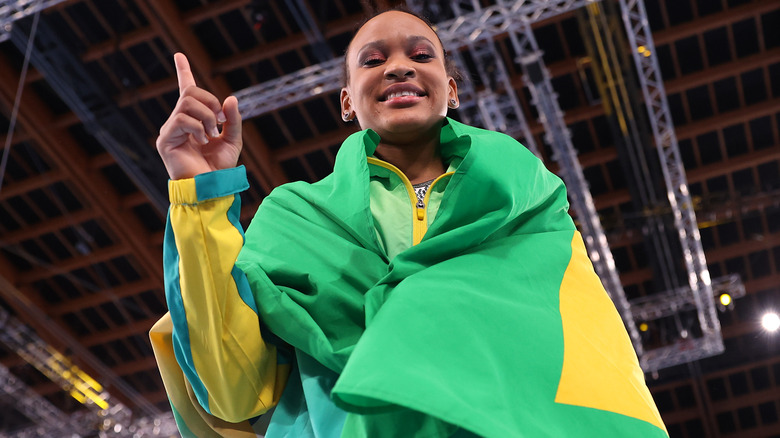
{"x": 392, "y": 25}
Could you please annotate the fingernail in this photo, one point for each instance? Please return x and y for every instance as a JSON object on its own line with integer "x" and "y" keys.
{"x": 214, "y": 132}
{"x": 221, "y": 117}
{"x": 204, "y": 139}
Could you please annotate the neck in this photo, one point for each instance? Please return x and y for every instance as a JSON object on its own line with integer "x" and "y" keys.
{"x": 419, "y": 159}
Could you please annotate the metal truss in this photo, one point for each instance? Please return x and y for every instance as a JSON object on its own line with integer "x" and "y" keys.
{"x": 674, "y": 302}
{"x": 684, "y": 350}
{"x": 455, "y": 34}
{"x": 668, "y": 303}
{"x": 11, "y": 11}
{"x": 160, "y": 426}
{"x": 288, "y": 89}
{"x": 102, "y": 118}
{"x": 310, "y": 29}
{"x": 49, "y": 420}
{"x": 105, "y": 413}
{"x": 621, "y": 95}
{"x": 649, "y": 73}
{"x": 497, "y": 104}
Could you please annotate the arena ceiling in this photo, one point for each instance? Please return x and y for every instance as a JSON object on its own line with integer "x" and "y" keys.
{"x": 81, "y": 237}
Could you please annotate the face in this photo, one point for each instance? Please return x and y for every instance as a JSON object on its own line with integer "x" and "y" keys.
{"x": 398, "y": 85}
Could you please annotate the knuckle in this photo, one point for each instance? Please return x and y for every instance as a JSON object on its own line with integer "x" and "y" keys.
{"x": 185, "y": 103}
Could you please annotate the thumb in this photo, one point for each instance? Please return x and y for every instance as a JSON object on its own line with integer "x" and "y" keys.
{"x": 231, "y": 129}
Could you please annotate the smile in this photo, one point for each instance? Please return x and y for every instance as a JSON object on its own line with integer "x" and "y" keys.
{"x": 401, "y": 94}
{"x": 401, "y": 91}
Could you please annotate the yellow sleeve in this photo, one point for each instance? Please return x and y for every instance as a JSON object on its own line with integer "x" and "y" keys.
{"x": 212, "y": 356}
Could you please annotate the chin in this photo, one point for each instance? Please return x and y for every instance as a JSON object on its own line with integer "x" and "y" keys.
{"x": 406, "y": 124}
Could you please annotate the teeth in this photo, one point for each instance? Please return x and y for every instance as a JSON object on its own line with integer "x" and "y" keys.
{"x": 401, "y": 93}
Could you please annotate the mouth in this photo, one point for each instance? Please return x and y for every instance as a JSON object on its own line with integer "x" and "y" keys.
{"x": 401, "y": 92}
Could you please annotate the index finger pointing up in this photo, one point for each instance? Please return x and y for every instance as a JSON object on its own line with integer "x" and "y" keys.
{"x": 183, "y": 72}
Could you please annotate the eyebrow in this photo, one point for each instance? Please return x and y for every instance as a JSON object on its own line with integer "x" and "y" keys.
{"x": 381, "y": 44}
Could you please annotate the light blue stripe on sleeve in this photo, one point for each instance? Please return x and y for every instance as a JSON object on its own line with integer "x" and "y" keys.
{"x": 242, "y": 284}
{"x": 221, "y": 183}
{"x": 180, "y": 336}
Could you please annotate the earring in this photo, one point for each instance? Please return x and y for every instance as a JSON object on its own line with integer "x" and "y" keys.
{"x": 345, "y": 116}
{"x": 454, "y": 103}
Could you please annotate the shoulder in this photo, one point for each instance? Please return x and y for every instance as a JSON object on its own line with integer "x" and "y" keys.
{"x": 301, "y": 191}
{"x": 489, "y": 141}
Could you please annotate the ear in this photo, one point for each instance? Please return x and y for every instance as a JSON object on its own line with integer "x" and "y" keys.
{"x": 347, "y": 112}
{"x": 452, "y": 94}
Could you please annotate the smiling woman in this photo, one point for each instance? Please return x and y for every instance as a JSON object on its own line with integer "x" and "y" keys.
{"x": 398, "y": 86}
{"x": 432, "y": 286}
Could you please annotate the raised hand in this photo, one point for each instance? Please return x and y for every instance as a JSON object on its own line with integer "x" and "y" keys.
{"x": 190, "y": 142}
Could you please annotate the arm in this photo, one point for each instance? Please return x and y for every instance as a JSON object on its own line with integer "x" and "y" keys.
{"x": 212, "y": 357}
{"x": 222, "y": 364}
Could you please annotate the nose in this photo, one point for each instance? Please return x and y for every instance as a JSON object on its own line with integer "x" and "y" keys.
{"x": 396, "y": 69}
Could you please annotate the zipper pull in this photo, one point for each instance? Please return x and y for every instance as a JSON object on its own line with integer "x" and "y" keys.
{"x": 420, "y": 210}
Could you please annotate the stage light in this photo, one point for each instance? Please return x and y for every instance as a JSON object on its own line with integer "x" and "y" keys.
{"x": 770, "y": 321}
{"x": 725, "y": 299}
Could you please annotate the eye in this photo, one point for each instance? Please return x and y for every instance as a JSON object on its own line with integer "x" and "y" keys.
{"x": 372, "y": 61}
{"x": 422, "y": 56}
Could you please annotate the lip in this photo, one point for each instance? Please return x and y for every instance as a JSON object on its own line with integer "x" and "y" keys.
{"x": 400, "y": 88}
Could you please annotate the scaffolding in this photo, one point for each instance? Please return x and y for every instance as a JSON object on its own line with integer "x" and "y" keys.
{"x": 497, "y": 107}
{"x": 649, "y": 75}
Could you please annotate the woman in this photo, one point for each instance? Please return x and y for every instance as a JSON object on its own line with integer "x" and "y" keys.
{"x": 358, "y": 307}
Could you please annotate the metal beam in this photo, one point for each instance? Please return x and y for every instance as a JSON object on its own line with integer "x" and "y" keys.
{"x": 714, "y": 21}
{"x": 105, "y": 295}
{"x": 39, "y": 181}
{"x": 497, "y": 104}
{"x": 70, "y": 80}
{"x": 131, "y": 328}
{"x": 35, "y": 407}
{"x": 743, "y": 115}
{"x": 650, "y": 80}
{"x": 670, "y": 302}
{"x": 70, "y": 264}
{"x": 42, "y": 323}
{"x": 67, "y": 155}
{"x": 13, "y": 10}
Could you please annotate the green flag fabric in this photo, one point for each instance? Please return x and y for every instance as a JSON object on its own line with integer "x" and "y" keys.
{"x": 495, "y": 322}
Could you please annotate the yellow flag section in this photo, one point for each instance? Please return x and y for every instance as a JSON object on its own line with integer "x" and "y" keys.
{"x": 600, "y": 367}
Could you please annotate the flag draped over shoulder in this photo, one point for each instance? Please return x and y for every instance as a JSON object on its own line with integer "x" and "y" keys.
{"x": 495, "y": 322}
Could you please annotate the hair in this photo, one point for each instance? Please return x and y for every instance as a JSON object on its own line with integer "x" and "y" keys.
{"x": 449, "y": 64}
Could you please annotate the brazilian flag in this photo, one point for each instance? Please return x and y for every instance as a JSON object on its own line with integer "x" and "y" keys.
{"x": 495, "y": 324}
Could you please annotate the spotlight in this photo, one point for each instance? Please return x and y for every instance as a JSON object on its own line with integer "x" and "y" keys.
{"x": 725, "y": 302}
{"x": 770, "y": 321}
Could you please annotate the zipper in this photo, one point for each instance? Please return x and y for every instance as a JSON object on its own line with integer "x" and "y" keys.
{"x": 419, "y": 208}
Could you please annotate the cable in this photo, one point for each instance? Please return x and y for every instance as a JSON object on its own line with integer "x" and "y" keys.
{"x": 18, "y": 99}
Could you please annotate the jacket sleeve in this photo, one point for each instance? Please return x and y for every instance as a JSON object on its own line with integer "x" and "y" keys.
{"x": 212, "y": 356}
